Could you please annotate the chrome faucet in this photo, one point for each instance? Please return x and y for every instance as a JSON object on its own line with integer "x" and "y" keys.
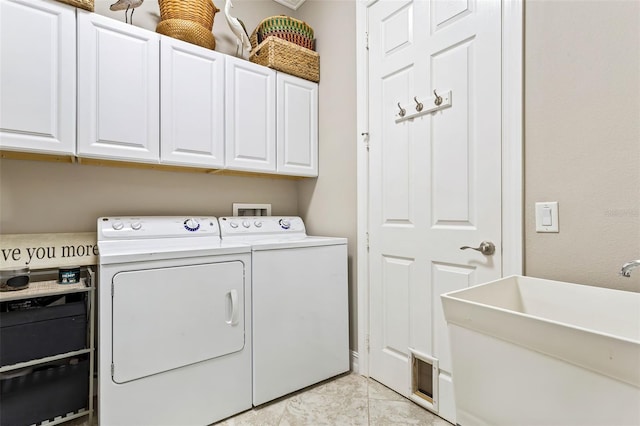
{"x": 628, "y": 267}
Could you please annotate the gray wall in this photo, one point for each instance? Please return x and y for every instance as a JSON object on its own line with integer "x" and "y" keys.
{"x": 582, "y": 138}
{"x": 44, "y": 197}
{"x": 251, "y": 12}
{"x": 328, "y": 203}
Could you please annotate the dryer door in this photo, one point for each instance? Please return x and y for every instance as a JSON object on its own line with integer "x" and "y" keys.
{"x": 167, "y": 318}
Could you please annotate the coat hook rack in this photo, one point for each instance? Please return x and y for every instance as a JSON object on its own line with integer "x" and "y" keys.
{"x": 402, "y": 111}
{"x": 433, "y": 104}
{"x": 438, "y": 100}
{"x": 419, "y": 105}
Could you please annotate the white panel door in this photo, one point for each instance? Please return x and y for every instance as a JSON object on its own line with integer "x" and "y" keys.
{"x": 397, "y": 178}
{"x": 167, "y": 318}
{"x": 37, "y": 76}
{"x": 250, "y": 130}
{"x": 297, "y": 129}
{"x": 435, "y": 180}
{"x": 191, "y": 105}
{"x": 118, "y": 90}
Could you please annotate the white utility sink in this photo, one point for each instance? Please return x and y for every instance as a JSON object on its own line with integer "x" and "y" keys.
{"x": 528, "y": 351}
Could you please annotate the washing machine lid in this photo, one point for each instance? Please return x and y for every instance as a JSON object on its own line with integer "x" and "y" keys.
{"x": 271, "y": 232}
{"x": 293, "y": 243}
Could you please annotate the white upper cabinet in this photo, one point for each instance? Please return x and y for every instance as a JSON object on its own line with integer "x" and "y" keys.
{"x": 192, "y": 105}
{"x": 37, "y": 76}
{"x": 297, "y": 133}
{"x": 250, "y": 130}
{"x": 118, "y": 90}
{"x": 138, "y": 96}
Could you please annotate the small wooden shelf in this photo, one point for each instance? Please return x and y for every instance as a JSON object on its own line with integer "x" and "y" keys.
{"x": 52, "y": 288}
{"x": 45, "y": 288}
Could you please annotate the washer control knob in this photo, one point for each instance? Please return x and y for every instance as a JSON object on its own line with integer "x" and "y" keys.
{"x": 191, "y": 225}
{"x": 117, "y": 225}
{"x": 136, "y": 226}
{"x": 258, "y": 224}
{"x": 234, "y": 225}
{"x": 246, "y": 224}
{"x": 284, "y": 223}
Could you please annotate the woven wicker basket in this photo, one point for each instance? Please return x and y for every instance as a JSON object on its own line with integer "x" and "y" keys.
{"x": 287, "y": 57}
{"x": 188, "y": 31}
{"x": 284, "y": 27}
{"x": 200, "y": 11}
{"x": 82, "y": 4}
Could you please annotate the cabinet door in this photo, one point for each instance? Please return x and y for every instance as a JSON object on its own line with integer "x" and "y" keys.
{"x": 118, "y": 90}
{"x": 297, "y": 133}
{"x": 37, "y": 76}
{"x": 192, "y": 105}
{"x": 250, "y": 116}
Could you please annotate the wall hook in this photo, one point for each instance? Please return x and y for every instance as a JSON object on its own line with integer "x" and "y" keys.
{"x": 402, "y": 111}
{"x": 419, "y": 105}
{"x": 438, "y": 100}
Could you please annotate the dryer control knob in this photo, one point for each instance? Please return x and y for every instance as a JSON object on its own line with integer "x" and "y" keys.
{"x": 246, "y": 224}
{"x": 234, "y": 225}
{"x": 284, "y": 224}
{"x": 117, "y": 225}
{"x": 191, "y": 225}
{"x": 258, "y": 224}
{"x": 136, "y": 226}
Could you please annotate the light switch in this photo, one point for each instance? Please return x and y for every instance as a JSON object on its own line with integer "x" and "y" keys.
{"x": 547, "y": 216}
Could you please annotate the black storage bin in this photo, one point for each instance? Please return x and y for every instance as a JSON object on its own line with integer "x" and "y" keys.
{"x": 43, "y": 331}
{"x": 45, "y": 393}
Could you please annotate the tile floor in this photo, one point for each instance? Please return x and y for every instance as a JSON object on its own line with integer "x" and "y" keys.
{"x": 347, "y": 400}
{"x": 350, "y": 399}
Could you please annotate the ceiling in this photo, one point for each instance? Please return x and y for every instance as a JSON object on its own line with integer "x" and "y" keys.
{"x": 293, "y": 4}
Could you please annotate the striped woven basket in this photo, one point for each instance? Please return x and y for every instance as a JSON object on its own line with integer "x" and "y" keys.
{"x": 286, "y": 28}
{"x": 82, "y": 4}
{"x": 200, "y": 11}
{"x": 188, "y": 31}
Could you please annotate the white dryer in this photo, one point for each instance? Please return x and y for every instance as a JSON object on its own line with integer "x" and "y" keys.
{"x": 174, "y": 322}
{"x": 300, "y": 303}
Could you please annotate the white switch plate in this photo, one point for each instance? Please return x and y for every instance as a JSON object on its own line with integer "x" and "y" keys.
{"x": 543, "y": 210}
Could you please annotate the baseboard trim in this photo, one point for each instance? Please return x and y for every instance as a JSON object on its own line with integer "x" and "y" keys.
{"x": 355, "y": 368}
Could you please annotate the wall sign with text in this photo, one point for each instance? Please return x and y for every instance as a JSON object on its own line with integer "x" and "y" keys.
{"x": 40, "y": 251}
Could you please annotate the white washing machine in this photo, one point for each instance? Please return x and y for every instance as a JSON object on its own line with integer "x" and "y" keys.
{"x": 300, "y": 303}
{"x": 174, "y": 322}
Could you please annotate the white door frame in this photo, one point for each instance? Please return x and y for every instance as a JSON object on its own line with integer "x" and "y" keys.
{"x": 512, "y": 158}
